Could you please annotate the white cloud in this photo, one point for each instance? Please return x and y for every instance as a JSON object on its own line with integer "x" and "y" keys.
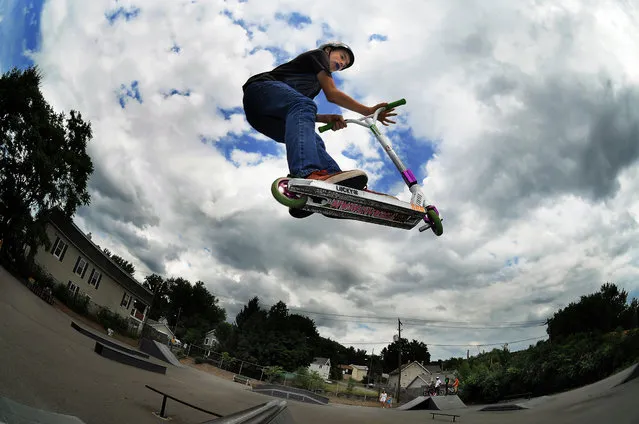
{"x": 509, "y": 93}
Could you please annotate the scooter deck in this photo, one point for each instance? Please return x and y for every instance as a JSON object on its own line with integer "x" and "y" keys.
{"x": 344, "y": 202}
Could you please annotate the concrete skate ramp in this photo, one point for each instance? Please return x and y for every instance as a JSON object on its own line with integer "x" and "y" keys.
{"x": 107, "y": 342}
{"x": 273, "y": 412}
{"x": 160, "y": 351}
{"x": 12, "y": 412}
{"x": 444, "y": 403}
{"x": 420, "y": 402}
{"x": 434, "y": 403}
{"x": 124, "y": 358}
{"x": 633, "y": 372}
{"x": 291, "y": 393}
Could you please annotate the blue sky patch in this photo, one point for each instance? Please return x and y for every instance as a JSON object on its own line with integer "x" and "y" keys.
{"x": 130, "y": 92}
{"x": 510, "y": 262}
{"x": 377, "y": 37}
{"x": 240, "y": 22}
{"x": 227, "y": 113}
{"x": 175, "y": 48}
{"x": 19, "y": 31}
{"x": 122, "y": 13}
{"x": 176, "y": 92}
{"x": 248, "y": 144}
{"x": 365, "y": 327}
{"x": 281, "y": 55}
{"x": 295, "y": 19}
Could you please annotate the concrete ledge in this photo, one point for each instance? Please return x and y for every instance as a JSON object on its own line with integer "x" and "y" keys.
{"x": 103, "y": 340}
{"x": 125, "y": 358}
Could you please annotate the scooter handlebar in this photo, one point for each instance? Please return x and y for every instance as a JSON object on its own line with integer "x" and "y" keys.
{"x": 389, "y": 106}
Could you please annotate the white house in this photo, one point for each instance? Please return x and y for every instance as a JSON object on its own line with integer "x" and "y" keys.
{"x": 322, "y": 366}
{"x": 162, "y": 326}
{"x": 409, "y": 371}
{"x": 210, "y": 340}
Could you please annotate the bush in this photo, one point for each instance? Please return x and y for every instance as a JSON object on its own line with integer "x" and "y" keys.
{"x": 77, "y": 302}
{"x": 41, "y": 276}
{"x": 111, "y": 320}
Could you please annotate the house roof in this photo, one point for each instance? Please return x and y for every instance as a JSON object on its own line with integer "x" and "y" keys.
{"x": 156, "y": 324}
{"x": 360, "y": 367}
{"x": 320, "y": 361}
{"x": 420, "y": 378}
{"x": 98, "y": 257}
{"x": 210, "y": 333}
{"x": 410, "y": 364}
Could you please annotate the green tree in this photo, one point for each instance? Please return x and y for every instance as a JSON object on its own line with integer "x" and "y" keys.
{"x": 43, "y": 160}
{"x": 160, "y": 289}
{"x": 273, "y": 372}
{"x": 121, "y": 262}
{"x": 603, "y": 311}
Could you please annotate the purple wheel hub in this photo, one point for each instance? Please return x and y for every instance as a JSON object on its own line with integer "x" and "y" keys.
{"x": 426, "y": 218}
{"x": 282, "y": 187}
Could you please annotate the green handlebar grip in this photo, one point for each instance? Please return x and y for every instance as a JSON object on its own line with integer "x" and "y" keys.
{"x": 391, "y": 105}
{"x": 396, "y": 103}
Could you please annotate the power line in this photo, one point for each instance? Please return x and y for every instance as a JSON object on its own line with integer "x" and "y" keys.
{"x": 438, "y": 324}
{"x": 423, "y": 321}
{"x": 448, "y": 345}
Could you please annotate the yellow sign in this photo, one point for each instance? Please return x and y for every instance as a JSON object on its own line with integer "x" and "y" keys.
{"x": 417, "y": 208}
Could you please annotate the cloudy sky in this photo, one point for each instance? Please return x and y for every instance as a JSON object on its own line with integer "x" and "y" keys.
{"x": 520, "y": 122}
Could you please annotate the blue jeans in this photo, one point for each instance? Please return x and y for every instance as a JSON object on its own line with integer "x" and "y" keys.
{"x": 279, "y": 112}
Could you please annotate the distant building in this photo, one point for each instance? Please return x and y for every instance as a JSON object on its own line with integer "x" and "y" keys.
{"x": 322, "y": 366}
{"x": 355, "y": 372}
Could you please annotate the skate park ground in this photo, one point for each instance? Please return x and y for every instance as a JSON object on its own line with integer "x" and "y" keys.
{"x": 45, "y": 363}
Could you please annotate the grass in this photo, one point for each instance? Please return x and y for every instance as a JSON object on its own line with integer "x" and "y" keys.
{"x": 342, "y": 387}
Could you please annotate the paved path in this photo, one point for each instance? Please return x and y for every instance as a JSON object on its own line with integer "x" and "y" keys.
{"x": 47, "y": 364}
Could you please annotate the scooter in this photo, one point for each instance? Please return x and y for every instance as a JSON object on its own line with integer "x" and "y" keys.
{"x": 337, "y": 201}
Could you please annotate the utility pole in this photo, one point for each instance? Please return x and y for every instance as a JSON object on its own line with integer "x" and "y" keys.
{"x": 178, "y": 319}
{"x": 370, "y": 368}
{"x": 399, "y": 375}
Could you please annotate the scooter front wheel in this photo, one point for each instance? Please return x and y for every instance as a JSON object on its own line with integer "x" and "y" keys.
{"x": 279, "y": 190}
{"x": 435, "y": 221}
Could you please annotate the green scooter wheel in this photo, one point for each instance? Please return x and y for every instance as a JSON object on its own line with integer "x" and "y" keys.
{"x": 279, "y": 190}
{"x": 435, "y": 222}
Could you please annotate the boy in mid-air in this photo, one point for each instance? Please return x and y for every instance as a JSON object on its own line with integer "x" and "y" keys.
{"x": 279, "y": 104}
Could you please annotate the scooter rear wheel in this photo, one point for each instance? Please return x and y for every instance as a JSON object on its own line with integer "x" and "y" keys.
{"x": 279, "y": 190}
{"x": 435, "y": 222}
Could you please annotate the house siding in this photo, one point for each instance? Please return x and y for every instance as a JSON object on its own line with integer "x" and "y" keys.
{"x": 408, "y": 375}
{"x": 106, "y": 292}
{"x": 322, "y": 369}
{"x": 358, "y": 374}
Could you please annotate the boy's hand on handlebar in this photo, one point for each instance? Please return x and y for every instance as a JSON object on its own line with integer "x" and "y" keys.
{"x": 383, "y": 115}
{"x": 338, "y": 120}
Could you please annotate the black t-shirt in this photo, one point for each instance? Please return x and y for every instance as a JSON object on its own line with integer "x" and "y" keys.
{"x": 300, "y": 73}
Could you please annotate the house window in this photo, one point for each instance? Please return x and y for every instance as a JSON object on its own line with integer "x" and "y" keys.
{"x": 72, "y": 288}
{"x": 126, "y": 301}
{"x": 94, "y": 278}
{"x": 206, "y": 341}
{"x": 80, "y": 267}
{"x": 59, "y": 248}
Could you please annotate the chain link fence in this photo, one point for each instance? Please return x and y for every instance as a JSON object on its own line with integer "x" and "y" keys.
{"x": 265, "y": 374}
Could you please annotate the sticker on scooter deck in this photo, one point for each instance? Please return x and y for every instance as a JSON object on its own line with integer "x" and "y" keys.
{"x": 345, "y": 202}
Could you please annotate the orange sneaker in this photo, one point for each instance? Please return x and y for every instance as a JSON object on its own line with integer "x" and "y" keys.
{"x": 353, "y": 178}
